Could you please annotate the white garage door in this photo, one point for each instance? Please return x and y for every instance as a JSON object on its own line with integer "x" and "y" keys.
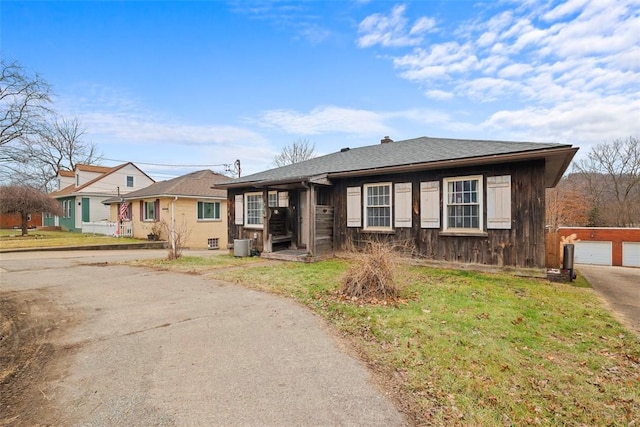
{"x": 598, "y": 253}
{"x": 631, "y": 254}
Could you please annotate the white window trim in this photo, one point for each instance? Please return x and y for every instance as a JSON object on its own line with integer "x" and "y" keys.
{"x": 367, "y": 227}
{"x": 246, "y": 209}
{"x": 445, "y": 204}
{"x": 209, "y": 219}
{"x": 144, "y": 211}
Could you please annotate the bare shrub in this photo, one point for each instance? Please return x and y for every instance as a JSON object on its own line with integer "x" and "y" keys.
{"x": 372, "y": 274}
{"x": 178, "y": 236}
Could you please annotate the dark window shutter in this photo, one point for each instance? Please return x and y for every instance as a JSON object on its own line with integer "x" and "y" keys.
{"x": 157, "y": 210}
{"x": 141, "y": 210}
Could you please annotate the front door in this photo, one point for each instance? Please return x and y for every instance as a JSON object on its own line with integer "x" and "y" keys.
{"x": 85, "y": 209}
{"x": 303, "y": 219}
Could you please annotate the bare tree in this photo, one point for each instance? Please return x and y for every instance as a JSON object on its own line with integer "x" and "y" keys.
{"x": 23, "y": 101}
{"x": 567, "y": 203}
{"x": 58, "y": 145}
{"x": 25, "y": 200}
{"x": 611, "y": 173}
{"x": 298, "y": 151}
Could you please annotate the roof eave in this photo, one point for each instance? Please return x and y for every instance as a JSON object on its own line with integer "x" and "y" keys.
{"x": 556, "y": 162}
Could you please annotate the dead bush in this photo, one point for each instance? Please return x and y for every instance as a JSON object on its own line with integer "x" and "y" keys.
{"x": 178, "y": 236}
{"x": 372, "y": 274}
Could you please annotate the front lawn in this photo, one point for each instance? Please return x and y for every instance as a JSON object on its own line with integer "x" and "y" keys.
{"x": 12, "y": 239}
{"x": 467, "y": 348}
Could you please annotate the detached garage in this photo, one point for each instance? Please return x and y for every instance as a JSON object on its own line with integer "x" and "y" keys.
{"x": 604, "y": 245}
{"x": 631, "y": 254}
{"x": 598, "y": 253}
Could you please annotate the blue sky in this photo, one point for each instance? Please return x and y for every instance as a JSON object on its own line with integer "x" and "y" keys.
{"x": 209, "y": 82}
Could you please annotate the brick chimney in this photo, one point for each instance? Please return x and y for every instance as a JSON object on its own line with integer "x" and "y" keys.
{"x": 385, "y": 140}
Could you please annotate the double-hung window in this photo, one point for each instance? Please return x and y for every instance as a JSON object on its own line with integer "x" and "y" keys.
{"x": 377, "y": 206}
{"x": 149, "y": 211}
{"x": 253, "y": 210}
{"x": 273, "y": 199}
{"x": 208, "y": 211}
{"x": 129, "y": 181}
{"x": 463, "y": 210}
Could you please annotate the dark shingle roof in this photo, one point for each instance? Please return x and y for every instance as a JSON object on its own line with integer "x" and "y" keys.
{"x": 415, "y": 151}
{"x": 194, "y": 184}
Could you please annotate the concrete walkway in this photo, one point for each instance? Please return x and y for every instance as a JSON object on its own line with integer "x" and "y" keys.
{"x": 164, "y": 349}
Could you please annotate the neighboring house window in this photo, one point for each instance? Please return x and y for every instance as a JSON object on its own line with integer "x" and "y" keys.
{"x": 377, "y": 204}
{"x": 208, "y": 210}
{"x": 129, "y": 181}
{"x": 66, "y": 208}
{"x": 253, "y": 209}
{"x": 77, "y": 180}
{"x": 463, "y": 210}
{"x": 149, "y": 211}
{"x": 59, "y": 183}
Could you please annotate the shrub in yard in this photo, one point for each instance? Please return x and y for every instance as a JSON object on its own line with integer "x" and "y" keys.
{"x": 372, "y": 274}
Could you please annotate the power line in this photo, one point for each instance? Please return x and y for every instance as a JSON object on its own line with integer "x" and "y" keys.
{"x": 163, "y": 164}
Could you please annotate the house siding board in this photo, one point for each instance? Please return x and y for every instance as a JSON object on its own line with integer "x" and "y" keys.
{"x": 520, "y": 246}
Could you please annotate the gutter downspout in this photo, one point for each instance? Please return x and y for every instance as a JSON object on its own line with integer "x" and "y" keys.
{"x": 173, "y": 224}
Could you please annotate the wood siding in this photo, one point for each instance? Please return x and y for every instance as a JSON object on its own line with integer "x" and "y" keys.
{"x": 520, "y": 246}
{"x": 323, "y": 239}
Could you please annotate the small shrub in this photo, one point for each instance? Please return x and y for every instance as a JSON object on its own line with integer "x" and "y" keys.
{"x": 372, "y": 274}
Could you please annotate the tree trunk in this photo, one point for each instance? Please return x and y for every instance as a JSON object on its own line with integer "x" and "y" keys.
{"x": 24, "y": 217}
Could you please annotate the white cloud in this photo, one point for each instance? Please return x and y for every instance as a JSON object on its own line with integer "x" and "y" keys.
{"x": 326, "y": 119}
{"x": 582, "y": 123}
{"x": 393, "y": 30}
{"x": 106, "y": 111}
{"x": 558, "y": 71}
{"x": 439, "y": 95}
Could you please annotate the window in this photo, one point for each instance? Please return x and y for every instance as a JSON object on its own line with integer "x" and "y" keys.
{"x": 208, "y": 210}
{"x": 66, "y": 208}
{"x": 77, "y": 180}
{"x": 149, "y": 211}
{"x": 377, "y": 203}
{"x": 463, "y": 210}
{"x": 129, "y": 181}
{"x": 253, "y": 209}
{"x": 273, "y": 199}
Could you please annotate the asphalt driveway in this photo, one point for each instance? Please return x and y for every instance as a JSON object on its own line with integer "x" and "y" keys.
{"x": 132, "y": 346}
{"x": 620, "y": 287}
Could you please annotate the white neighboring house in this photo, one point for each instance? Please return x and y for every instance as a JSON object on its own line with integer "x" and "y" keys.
{"x": 82, "y": 191}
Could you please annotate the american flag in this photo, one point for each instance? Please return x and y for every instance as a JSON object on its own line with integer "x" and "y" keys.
{"x": 123, "y": 210}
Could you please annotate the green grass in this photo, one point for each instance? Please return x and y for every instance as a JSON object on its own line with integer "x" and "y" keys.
{"x": 11, "y": 239}
{"x": 467, "y": 348}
